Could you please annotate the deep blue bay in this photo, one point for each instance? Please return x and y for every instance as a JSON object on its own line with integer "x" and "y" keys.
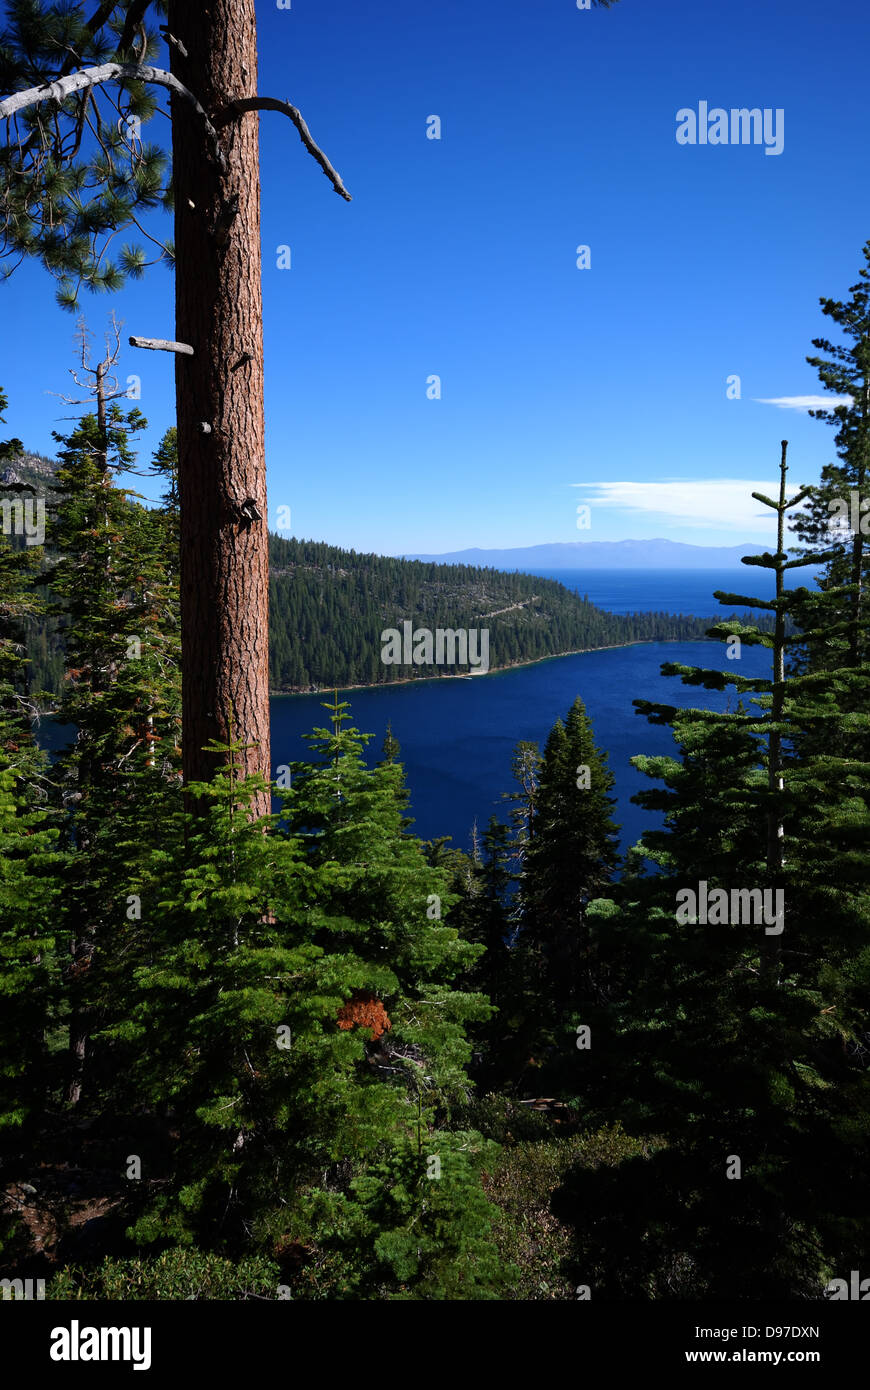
{"x": 666, "y": 590}
{"x": 457, "y": 736}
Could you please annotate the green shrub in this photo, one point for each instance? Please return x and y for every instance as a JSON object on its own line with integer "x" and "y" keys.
{"x": 521, "y": 1182}
{"x": 506, "y": 1120}
{"x": 174, "y": 1275}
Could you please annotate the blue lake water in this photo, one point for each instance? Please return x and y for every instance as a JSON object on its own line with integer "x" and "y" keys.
{"x": 457, "y": 736}
{"x": 666, "y": 591}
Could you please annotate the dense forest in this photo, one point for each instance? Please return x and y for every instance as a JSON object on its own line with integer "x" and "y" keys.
{"x": 329, "y": 607}
{"x": 28, "y": 477}
{"x": 309, "y": 1056}
{"x": 303, "y": 1055}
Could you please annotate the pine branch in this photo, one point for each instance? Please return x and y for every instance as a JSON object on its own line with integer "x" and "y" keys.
{"x": 244, "y": 104}
{"x": 100, "y": 16}
{"x": 88, "y": 78}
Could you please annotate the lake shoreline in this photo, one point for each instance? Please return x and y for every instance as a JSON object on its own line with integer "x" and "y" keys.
{"x": 458, "y": 741}
{"x": 493, "y": 670}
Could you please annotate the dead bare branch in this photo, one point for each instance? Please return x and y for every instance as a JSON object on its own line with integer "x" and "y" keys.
{"x": 243, "y": 104}
{"x": 162, "y": 345}
{"x": 88, "y": 78}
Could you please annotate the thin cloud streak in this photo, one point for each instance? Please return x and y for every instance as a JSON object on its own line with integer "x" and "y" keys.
{"x": 712, "y": 503}
{"x": 804, "y": 402}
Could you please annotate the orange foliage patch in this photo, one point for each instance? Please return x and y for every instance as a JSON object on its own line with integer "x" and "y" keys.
{"x": 367, "y": 1011}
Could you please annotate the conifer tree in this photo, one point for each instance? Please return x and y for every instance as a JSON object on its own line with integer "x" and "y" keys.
{"x": 121, "y": 693}
{"x": 392, "y": 749}
{"x": 30, "y": 863}
{"x": 30, "y": 902}
{"x": 74, "y": 172}
{"x": 483, "y": 915}
{"x": 569, "y": 862}
{"x": 758, "y": 1093}
{"x": 837, "y": 511}
{"x": 290, "y": 1009}
{"x": 386, "y": 910}
{"x": 18, "y": 603}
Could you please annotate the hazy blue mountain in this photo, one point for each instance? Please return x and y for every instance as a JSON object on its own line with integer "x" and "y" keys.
{"x": 651, "y": 554}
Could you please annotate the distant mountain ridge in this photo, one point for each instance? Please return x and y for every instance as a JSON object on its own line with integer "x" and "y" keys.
{"x": 329, "y": 609}
{"x": 638, "y": 554}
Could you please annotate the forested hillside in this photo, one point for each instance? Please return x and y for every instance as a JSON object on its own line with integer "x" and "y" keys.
{"x": 309, "y": 1053}
{"x": 260, "y": 1041}
{"x": 328, "y": 608}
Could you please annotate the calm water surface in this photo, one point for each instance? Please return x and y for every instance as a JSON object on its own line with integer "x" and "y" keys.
{"x": 667, "y": 591}
{"x": 457, "y": 736}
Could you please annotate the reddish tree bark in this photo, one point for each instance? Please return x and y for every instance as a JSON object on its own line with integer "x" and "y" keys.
{"x": 219, "y": 390}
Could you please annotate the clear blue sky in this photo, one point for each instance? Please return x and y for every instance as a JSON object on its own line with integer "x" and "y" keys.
{"x": 458, "y": 258}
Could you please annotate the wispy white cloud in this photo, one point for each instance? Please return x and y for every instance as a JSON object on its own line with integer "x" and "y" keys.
{"x": 716, "y": 504}
{"x": 804, "y": 402}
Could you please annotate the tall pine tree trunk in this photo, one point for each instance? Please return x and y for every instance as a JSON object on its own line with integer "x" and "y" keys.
{"x": 219, "y": 391}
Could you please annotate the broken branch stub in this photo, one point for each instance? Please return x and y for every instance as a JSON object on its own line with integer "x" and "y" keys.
{"x": 162, "y": 345}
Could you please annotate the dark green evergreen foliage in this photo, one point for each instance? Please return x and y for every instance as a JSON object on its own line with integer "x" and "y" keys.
{"x": 288, "y": 1004}
{"x": 392, "y": 748}
{"x": 338, "y": 603}
{"x": 198, "y": 945}
{"x": 484, "y": 914}
{"x": 30, "y": 864}
{"x": 328, "y": 608}
{"x": 157, "y": 533}
{"x": 213, "y": 975}
{"x": 352, "y": 1161}
{"x": 18, "y": 603}
{"x": 489, "y": 921}
{"x": 9, "y": 448}
{"x": 30, "y": 946}
{"x": 836, "y": 515}
{"x": 38, "y": 631}
{"x": 734, "y": 1042}
{"x": 530, "y": 895}
{"x": 78, "y": 171}
{"x": 572, "y": 851}
{"x": 32, "y": 481}
{"x": 379, "y": 918}
{"x": 428, "y": 1228}
{"x": 707, "y": 821}
{"x": 569, "y": 862}
{"x": 284, "y": 1020}
{"x": 173, "y": 1275}
{"x": 113, "y": 585}
{"x": 837, "y": 512}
